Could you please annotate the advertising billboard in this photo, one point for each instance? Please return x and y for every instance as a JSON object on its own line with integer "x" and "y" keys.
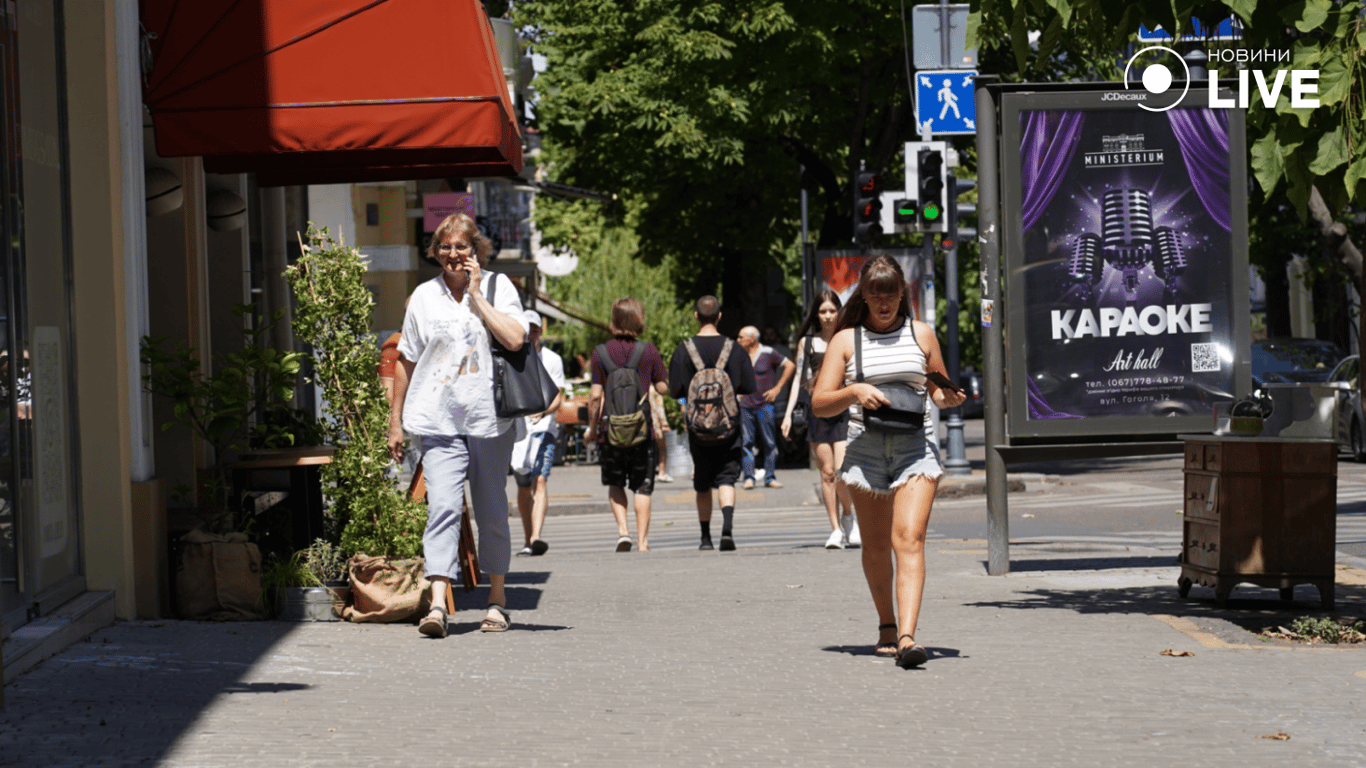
{"x": 1125, "y": 234}
{"x": 839, "y": 271}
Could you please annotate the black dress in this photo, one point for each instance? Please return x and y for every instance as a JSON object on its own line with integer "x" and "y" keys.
{"x": 831, "y": 429}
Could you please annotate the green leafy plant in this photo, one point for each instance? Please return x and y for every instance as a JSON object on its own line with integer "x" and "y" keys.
{"x": 243, "y": 403}
{"x": 333, "y": 315}
{"x": 1327, "y": 630}
{"x": 317, "y": 566}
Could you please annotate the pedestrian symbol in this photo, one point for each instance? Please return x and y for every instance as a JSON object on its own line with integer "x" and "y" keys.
{"x": 945, "y": 102}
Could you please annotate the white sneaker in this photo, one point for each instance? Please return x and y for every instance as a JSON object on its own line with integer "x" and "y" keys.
{"x": 854, "y": 540}
{"x": 836, "y": 540}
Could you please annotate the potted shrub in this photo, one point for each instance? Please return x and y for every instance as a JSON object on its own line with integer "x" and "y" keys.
{"x": 377, "y": 519}
{"x": 309, "y": 585}
{"x": 218, "y": 572}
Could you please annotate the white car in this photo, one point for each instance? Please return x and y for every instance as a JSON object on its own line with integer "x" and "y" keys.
{"x": 1349, "y": 425}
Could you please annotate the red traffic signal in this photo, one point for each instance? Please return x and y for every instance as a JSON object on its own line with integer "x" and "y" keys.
{"x": 867, "y": 206}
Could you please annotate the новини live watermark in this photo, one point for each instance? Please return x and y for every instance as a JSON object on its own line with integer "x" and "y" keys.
{"x": 1157, "y": 79}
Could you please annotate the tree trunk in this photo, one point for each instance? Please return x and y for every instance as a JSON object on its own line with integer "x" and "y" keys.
{"x": 1338, "y": 244}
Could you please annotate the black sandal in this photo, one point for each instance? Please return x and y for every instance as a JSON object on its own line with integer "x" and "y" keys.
{"x": 912, "y": 655}
{"x": 885, "y": 650}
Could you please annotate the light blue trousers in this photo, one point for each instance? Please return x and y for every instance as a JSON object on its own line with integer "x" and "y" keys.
{"x": 447, "y": 462}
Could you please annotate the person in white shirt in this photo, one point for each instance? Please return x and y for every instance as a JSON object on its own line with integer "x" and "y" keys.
{"x": 443, "y": 394}
{"x": 534, "y": 455}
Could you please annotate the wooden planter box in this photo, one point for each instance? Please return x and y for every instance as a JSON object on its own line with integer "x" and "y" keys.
{"x": 1259, "y": 511}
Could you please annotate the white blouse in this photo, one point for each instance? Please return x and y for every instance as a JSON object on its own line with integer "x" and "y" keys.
{"x": 451, "y": 389}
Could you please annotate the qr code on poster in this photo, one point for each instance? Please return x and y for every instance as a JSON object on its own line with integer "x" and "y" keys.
{"x": 1204, "y": 358}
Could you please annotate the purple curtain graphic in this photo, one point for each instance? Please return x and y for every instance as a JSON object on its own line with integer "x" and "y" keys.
{"x": 1046, "y": 149}
{"x": 1203, "y": 136}
{"x": 1039, "y": 407}
{"x": 1049, "y": 140}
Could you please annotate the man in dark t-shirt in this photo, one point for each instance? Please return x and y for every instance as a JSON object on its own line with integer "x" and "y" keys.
{"x": 771, "y": 373}
{"x": 715, "y": 465}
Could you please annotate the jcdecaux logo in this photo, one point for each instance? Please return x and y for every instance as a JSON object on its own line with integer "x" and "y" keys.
{"x": 1157, "y": 79}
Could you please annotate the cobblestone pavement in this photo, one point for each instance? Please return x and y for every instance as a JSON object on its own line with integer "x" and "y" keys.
{"x": 757, "y": 657}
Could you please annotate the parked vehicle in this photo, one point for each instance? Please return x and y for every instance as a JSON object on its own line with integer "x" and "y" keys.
{"x": 1288, "y": 361}
{"x": 1349, "y": 425}
{"x": 971, "y": 382}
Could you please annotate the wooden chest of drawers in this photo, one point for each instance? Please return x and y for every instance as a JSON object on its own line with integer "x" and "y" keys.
{"x": 1260, "y": 511}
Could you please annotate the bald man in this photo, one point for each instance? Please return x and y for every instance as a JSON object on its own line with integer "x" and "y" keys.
{"x": 772, "y": 371}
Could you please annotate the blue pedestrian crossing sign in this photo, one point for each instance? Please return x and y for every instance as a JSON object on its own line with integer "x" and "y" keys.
{"x": 945, "y": 103}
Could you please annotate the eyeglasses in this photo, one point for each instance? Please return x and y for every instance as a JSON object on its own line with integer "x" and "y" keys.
{"x": 446, "y": 248}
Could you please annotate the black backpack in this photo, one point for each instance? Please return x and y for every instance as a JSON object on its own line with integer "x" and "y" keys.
{"x": 623, "y": 401}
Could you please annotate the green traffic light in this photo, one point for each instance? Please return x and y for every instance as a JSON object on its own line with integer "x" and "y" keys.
{"x": 906, "y": 210}
{"x": 930, "y": 212}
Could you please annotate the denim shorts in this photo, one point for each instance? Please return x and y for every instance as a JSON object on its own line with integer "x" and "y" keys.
{"x": 541, "y": 464}
{"x": 882, "y": 462}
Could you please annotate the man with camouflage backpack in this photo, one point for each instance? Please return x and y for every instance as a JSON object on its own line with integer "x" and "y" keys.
{"x": 624, "y": 369}
{"x": 710, "y": 370}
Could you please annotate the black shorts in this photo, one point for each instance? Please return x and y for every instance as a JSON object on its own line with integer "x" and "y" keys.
{"x": 632, "y": 468}
{"x": 714, "y": 466}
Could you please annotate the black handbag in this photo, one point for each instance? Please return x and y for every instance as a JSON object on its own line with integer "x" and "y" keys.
{"x": 801, "y": 418}
{"x": 521, "y": 384}
{"x": 905, "y": 409}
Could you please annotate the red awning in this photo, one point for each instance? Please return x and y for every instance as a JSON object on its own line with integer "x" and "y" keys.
{"x": 316, "y": 91}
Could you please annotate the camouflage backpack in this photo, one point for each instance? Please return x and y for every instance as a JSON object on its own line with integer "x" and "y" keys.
{"x": 712, "y": 413}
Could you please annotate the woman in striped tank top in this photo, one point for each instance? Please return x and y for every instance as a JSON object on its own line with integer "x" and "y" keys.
{"x": 891, "y": 475}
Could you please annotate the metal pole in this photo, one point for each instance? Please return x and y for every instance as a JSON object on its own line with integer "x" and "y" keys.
{"x": 928, "y": 312}
{"x": 957, "y": 462}
{"x": 807, "y": 292}
{"x": 993, "y": 373}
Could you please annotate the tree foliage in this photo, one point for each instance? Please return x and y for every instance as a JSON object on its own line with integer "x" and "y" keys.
{"x": 244, "y": 404}
{"x": 609, "y": 270}
{"x": 699, "y": 117}
{"x": 1317, "y": 156}
{"x": 333, "y": 316}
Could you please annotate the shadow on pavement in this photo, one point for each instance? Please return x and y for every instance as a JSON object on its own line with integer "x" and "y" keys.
{"x": 1090, "y": 563}
{"x": 166, "y": 675}
{"x": 867, "y": 650}
{"x": 1249, "y": 610}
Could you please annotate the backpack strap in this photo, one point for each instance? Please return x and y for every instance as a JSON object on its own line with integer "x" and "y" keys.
{"x": 634, "y": 365}
{"x": 693, "y": 355}
{"x": 636, "y": 353}
{"x": 724, "y": 357}
{"x": 606, "y": 359}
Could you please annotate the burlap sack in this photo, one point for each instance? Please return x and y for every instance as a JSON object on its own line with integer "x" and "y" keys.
{"x": 385, "y": 591}
{"x": 218, "y": 578}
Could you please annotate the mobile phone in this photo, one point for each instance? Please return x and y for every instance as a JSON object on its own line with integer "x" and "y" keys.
{"x": 942, "y": 381}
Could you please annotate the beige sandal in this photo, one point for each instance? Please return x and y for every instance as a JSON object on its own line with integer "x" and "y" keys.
{"x": 432, "y": 626}
{"x": 497, "y": 620}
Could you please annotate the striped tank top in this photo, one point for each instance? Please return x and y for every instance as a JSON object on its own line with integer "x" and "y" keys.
{"x": 891, "y": 356}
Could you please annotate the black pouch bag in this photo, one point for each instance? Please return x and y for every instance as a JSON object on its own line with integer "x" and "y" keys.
{"x": 905, "y": 409}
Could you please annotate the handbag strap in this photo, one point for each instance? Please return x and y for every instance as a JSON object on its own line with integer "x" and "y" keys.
{"x": 858, "y": 353}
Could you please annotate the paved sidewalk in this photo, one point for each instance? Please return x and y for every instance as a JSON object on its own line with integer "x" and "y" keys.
{"x": 757, "y": 657}
{"x": 578, "y": 489}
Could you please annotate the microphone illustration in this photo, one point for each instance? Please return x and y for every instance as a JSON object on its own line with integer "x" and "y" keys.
{"x": 1127, "y": 243}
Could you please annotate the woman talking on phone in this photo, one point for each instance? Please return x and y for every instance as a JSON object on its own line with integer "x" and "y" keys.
{"x": 878, "y": 365}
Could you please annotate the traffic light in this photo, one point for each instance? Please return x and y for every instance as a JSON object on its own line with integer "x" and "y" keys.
{"x": 930, "y": 172}
{"x": 867, "y": 207}
{"x": 905, "y": 212}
